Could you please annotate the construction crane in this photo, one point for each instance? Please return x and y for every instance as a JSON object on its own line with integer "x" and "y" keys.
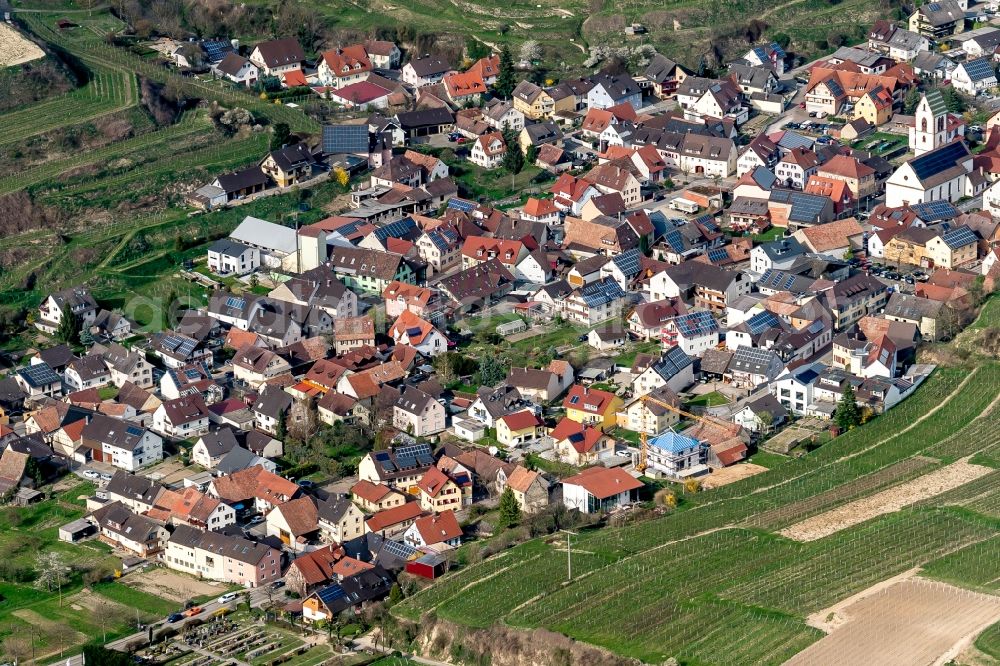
{"x": 733, "y": 428}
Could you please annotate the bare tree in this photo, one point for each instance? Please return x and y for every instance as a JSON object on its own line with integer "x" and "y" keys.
{"x": 17, "y": 647}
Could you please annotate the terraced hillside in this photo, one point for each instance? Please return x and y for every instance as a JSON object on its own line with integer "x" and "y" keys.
{"x": 684, "y": 29}
{"x": 677, "y": 586}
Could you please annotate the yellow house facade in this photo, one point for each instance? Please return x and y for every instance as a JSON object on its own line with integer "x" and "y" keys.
{"x": 519, "y": 428}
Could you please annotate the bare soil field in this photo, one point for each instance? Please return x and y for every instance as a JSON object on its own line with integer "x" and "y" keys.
{"x": 15, "y": 48}
{"x": 887, "y": 501}
{"x": 727, "y": 475}
{"x": 170, "y": 585}
{"x": 913, "y": 621}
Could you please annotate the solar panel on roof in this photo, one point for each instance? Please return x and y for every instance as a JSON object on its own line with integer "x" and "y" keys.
{"x": 186, "y": 347}
{"x": 235, "y": 302}
{"x": 330, "y": 594}
{"x": 959, "y": 237}
{"x": 718, "y": 255}
{"x": 399, "y": 549}
{"x": 675, "y": 240}
{"x": 938, "y": 160}
{"x": 216, "y": 49}
{"x": 788, "y": 282}
{"x": 933, "y": 211}
{"x": 980, "y": 69}
{"x": 761, "y": 322}
{"x": 345, "y": 139}
{"x": 696, "y": 324}
{"x": 461, "y": 204}
{"x": 628, "y": 262}
{"x": 39, "y": 374}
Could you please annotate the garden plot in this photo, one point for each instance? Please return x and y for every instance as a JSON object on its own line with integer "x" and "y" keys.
{"x": 887, "y": 501}
{"x": 910, "y": 622}
{"x": 15, "y": 48}
{"x": 169, "y": 585}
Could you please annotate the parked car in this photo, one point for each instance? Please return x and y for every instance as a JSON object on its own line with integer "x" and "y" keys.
{"x": 227, "y": 597}
{"x": 90, "y": 474}
{"x": 277, "y": 585}
{"x": 256, "y": 520}
{"x": 305, "y": 483}
{"x": 105, "y": 476}
{"x": 191, "y": 612}
{"x": 174, "y": 617}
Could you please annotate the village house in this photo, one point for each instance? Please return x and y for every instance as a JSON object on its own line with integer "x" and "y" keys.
{"x": 278, "y": 56}
{"x": 519, "y": 428}
{"x": 122, "y": 444}
{"x": 221, "y": 557}
{"x": 375, "y": 497}
{"x": 182, "y": 418}
{"x": 418, "y": 413}
{"x": 599, "y": 489}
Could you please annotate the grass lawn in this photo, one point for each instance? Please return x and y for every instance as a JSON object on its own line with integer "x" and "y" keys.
{"x": 130, "y": 596}
{"x": 767, "y": 459}
{"x": 627, "y": 357}
{"x": 712, "y": 399}
{"x": 107, "y": 392}
{"x": 630, "y": 436}
{"x": 561, "y": 470}
{"x": 772, "y": 234}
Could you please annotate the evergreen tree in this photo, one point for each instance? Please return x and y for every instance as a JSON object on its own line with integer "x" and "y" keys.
{"x": 531, "y": 156}
{"x": 847, "y": 414}
{"x": 510, "y": 510}
{"x": 281, "y": 427}
{"x": 69, "y": 327}
{"x": 172, "y": 307}
{"x": 513, "y": 158}
{"x": 911, "y": 101}
{"x": 281, "y": 135}
{"x": 505, "y": 84}
{"x": 395, "y": 594}
{"x": 492, "y": 370}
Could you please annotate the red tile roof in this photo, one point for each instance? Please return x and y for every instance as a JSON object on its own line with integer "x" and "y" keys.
{"x": 439, "y": 528}
{"x": 592, "y": 401}
{"x": 394, "y": 516}
{"x": 602, "y": 482}
{"x": 521, "y": 420}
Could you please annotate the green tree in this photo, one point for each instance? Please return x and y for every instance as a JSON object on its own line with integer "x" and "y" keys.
{"x": 847, "y": 415}
{"x": 953, "y": 100}
{"x": 281, "y": 427}
{"x": 69, "y": 327}
{"x": 513, "y": 158}
{"x": 510, "y": 510}
{"x": 475, "y": 49}
{"x": 531, "y": 155}
{"x": 395, "y": 594}
{"x": 33, "y": 471}
{"x": 505, "y": 84}
{"x": 172, "y": 307}
{"x": 911, "y": 101}
{"x": 492, "y": 370}
{"x": 280, "y": 136}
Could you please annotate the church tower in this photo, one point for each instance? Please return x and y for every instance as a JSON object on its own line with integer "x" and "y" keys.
{"x": 930, "y": 127}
